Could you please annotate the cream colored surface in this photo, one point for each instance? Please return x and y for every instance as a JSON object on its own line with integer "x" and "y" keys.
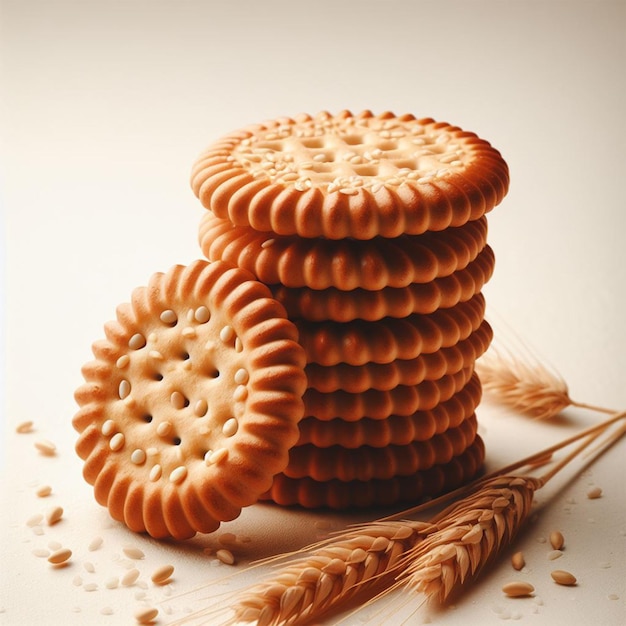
{"x": 105, "y": 106}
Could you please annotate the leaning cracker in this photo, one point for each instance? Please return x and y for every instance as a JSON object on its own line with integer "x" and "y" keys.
{"x": 401, "y": 400}
{"x": 345, "y": 175}
{"x": 192, "y": 401}
{"x": 368, "y": 462}
{"x": 344, "y": 264}
{"x": 385, "y": 376}
{"x": 345, "y": 306}
{"x": 336, "y": 494}
{"x": 359, "y": 342}
{"x": 394, "y": 429}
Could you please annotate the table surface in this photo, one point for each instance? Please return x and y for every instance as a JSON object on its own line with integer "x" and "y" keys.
{"x": 104, "y": 108}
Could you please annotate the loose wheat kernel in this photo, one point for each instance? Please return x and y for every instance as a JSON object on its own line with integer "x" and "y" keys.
{"x": 130, "y": 577}
{"x": 112, "y": 583}
{"x": 155, "y": 473}
{"x": 41, "y": 553}
{"x": 146, "y": 615}
{"x": 133, "y": 552}
{"x": 123, "y": 361}
{"x": 35, "y": 520}
{"x": 43, "y": 491}
{"x": 557, "y": 541}
{"x": 562, "y": 577}
{"x": 225, "y": 556}
{"x": 95, "y": 544}
{"x": 54, "y": 515}
{"x": 517, "y": 560}
{"x": 47, "y": 448}
{"x": 24, "y": 427}
{"x": 594, "y": 493}
{"x": 60, "y": 556}
{"x": 162, "y": 575}
{"x": 518, "y": 589}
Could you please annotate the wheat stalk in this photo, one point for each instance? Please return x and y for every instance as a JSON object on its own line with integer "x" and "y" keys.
{"x": 357, "y": 561}
{"x": 471, "y": 532}
{"x": 470, "y": 535}
{"x": 438, "y": 556}
{"x": 433, "y": 557}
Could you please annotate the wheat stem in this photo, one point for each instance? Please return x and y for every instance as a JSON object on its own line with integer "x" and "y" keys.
{"x": 592, "y": 407}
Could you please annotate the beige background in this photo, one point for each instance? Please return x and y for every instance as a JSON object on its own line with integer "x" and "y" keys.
{"x": 105, "y": 106}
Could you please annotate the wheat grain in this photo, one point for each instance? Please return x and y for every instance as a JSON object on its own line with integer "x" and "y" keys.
{"x": 468, "y": 535}
{"x": 358, "y": 560}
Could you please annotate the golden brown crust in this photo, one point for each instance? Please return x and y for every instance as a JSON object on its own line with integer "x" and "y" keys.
{"x": 345, "y": 264}
{"x": 396, "y": 429}
{"x": 369, "y": 462}
{"x": 344, "y": 306}
{"x": 345, "y": 175}
{"x": 401, "y": 400}
{"x": 359, "y": 342}
{"x": 386, "y": 376}
{"x": 335, "y": 494}
{"x": 192, "y": 401}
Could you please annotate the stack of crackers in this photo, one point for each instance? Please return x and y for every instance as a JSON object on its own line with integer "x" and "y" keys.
{"x": 371, "y": 231}
{"x": 322, "y": 354}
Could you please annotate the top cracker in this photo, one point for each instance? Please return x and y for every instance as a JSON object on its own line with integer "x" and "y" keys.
{"x": 346, "y": 175}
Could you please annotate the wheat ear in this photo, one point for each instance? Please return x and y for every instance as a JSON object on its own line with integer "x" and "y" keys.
{"x": 471, "y": 532}
{"x": 470, "y": 535}
{"x": 357, "y": 561}
{"x": 518, "y": 379}
{"x": 433, "y": 557}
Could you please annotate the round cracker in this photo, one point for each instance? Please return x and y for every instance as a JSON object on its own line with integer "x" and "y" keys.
{"x": 395, "y": 429}
{"x": 401, "y": 400}
{"x": 345, "y": 264}
{"x": 345, "y": 175}
{"x": 386, "y": 376}
{"x": 336, "y": 494}
{"x": 381, "y": 462}
{"x": 344, "y": 306}
{"x": 192, "y": 401}
{"x": 359, "y": 342}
